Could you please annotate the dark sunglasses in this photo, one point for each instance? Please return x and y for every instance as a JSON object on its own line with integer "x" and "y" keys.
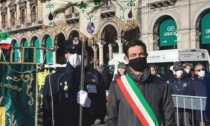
{"x": 200, "y": 70}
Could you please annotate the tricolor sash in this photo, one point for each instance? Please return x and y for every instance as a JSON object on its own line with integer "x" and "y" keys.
{"x": 137, "y": 101}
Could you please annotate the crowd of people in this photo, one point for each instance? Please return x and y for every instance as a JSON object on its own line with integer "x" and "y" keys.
{"x": 191, "y": 81}
{"x": 138, "y": 94}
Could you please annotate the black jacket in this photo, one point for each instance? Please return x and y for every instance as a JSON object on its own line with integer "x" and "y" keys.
{"x": 66, "y": 109}
{"x": 179, "y": 86}
{"x": 156, "y": 92}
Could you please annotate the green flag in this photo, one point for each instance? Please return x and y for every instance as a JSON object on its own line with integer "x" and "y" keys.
{"x": 17, "y": 94}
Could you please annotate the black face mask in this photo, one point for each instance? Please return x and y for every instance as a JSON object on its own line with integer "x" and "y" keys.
{"x": 138, "y": 64}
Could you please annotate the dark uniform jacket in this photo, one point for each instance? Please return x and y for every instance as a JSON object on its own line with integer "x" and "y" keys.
{"x": 208, "y": 96}
{"x": 179, "y": 86}
{"x": 198, "y": 88}
{"x": 66, "y": 109}
{"x": 155, "y": 91}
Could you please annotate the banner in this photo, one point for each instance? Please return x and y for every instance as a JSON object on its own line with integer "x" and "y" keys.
{"x": 168, "y": 33}
{"x": 54, "y": 11}
{"x": 205, "y": 29}
{"x": 50, "y": 19}
{"x": 126, "y": 12}
{"x": 17, "y": 94}
{"x": 89, "y": 11}
{"x": 89, "y": 18}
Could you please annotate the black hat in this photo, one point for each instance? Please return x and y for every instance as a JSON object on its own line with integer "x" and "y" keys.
{"x": 73, "y": 45}
{"x": 73, "y": 49}
{"x": 72, "y": 41}
{"x": 177, "y": 66}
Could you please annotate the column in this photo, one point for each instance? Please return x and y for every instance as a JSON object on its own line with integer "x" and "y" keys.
{"x": 120, "y": 45}
{"x": 152, "y": 42}
{"x": 42, "y": 56}
{"x": 183, "y": 39}
{"x": 194, "y": 39}
{"x": 110, "y": 51}
{"x": 101, "y": 50}
{"x": 95, "y": 58}
{"x": 20, "y": 55}
{"x": 54, "y": 57}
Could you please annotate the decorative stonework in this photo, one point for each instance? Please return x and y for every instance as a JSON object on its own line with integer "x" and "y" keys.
{"x": 3, "y": 10}
{"x": 32, "y": 2}
{"x": 22, "y": 4}
{"x": 162, "y": 3}
{"x": 12, "y": 6}
{"x": 56, "y": 29}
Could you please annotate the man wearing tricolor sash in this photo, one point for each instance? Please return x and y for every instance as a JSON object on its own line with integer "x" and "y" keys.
{"x": 139, "y": 98}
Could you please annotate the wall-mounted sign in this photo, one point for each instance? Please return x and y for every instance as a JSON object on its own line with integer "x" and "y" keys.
{"x": 205, "y": 29}
{"x": 168, "y": 33}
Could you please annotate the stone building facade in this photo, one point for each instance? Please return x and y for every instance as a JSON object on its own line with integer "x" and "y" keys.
{"x": 162, "y": 24}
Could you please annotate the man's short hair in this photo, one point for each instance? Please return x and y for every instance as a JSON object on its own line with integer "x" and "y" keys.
{"x": 199, "y": 64}
{"x": 152, "y": 65}
{"x": 187, "y": 64}
{"x": 133, "y": 43}
{"x": 177, "y": 66}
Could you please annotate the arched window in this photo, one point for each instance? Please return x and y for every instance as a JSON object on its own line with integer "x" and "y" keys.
{"x": 3, "y": 20}
{"x": 33, "y": 13}
{"x": 22, "y": 16}
{"x": 13, "y": 18}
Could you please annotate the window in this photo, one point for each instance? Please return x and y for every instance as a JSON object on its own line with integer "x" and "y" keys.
{"x": 13, "y": 18}
{"x": 22, "y": 16}
{"x": 3, "y": 20}
{"x": 33, "y": 13}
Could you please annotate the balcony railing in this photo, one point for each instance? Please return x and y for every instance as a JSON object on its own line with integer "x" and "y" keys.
{"x": 107, "y": 8}
{"x": 72, "y": 15}
{"x": 72, "y": 18}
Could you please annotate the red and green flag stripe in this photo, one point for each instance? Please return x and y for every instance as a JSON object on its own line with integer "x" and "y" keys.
{"x": 5, "y": 40}
{"x": 137, "y": 101}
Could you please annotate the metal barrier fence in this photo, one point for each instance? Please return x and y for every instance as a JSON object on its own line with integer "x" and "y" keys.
{"x": 189, "y": 104}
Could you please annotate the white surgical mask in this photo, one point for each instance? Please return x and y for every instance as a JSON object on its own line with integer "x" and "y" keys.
{"x": 201, "y": 73}
{"x": 187, "y": 70}
{"x": 179, "y": 73}
{"x": 75, "y": 60}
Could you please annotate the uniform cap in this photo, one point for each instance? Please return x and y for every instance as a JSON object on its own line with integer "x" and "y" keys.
{"x": 73, "y": 45}
{"x": 177, "y": 66}
{"x": 73, "y": 49}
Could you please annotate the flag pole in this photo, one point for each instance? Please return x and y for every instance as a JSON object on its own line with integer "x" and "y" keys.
{"x": 82, "y": 78}
{"x": 0, "y": 53}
